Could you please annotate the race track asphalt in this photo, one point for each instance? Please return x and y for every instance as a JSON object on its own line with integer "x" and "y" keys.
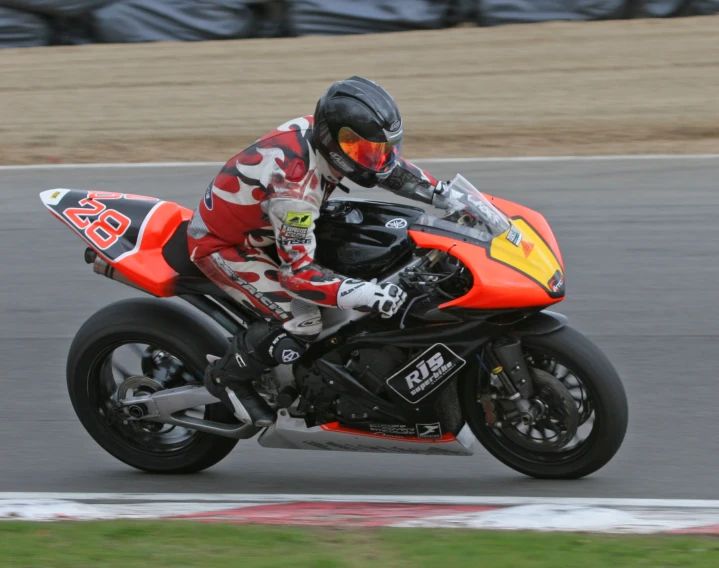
{"x": 640, "y": 240}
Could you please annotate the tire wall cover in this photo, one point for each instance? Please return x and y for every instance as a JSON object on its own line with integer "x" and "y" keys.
{"x": 173, "y": 20}
{"x": 23, "y": 29}
{"x": 66, "y": 8}
{"x": 670, "y": 8}
{"x": 74, "y": 30}
{"x": 336, "y": 17}
{"x": 705, "y": 7}
{"x": 497, "y": 12}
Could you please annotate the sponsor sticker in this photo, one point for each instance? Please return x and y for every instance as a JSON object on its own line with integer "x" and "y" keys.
{"x": 527, "y": 247}
{"x": 350, "y": 290}
{"x": 208, "y": 196}
{"x": 392, "y": 430}
{"x": 341, "y": 162}
{"x": 53, "y": 197}
{"x": 289, "y": 355}
{"x": 264, "y": 300}
{"x": 556, "y": 283}
{"x": 396, "y": 224}
{"x": 514, "y": 236}
{"x": 291, "y": 242}
{"x": 429, "y": 430}
{"x": 289, "y": 233}
{"x": 311, "y": 322}
{"x": 426, "y": 373}
{"x": 301, "y": 220}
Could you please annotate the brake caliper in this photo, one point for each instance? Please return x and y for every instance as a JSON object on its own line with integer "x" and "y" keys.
{"x": 487, "y": 403}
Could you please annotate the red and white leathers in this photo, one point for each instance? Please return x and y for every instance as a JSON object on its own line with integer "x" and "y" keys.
{"x": 264, "y": 203}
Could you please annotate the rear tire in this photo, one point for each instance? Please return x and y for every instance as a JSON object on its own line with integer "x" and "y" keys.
{"x": 608, "y": 399}
{"x": 156, "y": 322}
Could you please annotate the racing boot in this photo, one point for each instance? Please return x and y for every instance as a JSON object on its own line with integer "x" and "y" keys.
{"x": 251, "y": 353}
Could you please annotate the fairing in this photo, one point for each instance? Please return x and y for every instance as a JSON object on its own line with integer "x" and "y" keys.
{"x": 293, "y": 433}
{"x": 362, "y": 238}
{"x": 128, "y": 231}
{"x": 509, "y": 249}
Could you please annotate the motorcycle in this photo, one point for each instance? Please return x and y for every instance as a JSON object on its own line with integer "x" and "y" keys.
{"x": 474, "y": 353}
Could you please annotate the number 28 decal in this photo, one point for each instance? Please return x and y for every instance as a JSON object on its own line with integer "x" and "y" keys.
{"x": 110, "y": 224}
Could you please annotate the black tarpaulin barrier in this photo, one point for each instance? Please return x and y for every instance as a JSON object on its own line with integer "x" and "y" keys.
{"x": 705, "y": 7}
{"x": 76, "y": 30}
{"x": 64, "y": 8}
{"x": 340, "y": 17}
{"x": 497, "y": 12}
{"x": 130, "y": 21}
{"x": 673, "y": 8}
{"x": 23, "y": 29}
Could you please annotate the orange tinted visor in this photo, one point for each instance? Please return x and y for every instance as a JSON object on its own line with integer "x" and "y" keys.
{"x": 375, "y": 156}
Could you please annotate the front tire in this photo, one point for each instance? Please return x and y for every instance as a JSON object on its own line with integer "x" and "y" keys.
{"x": 170, "y": 330}
{"x": 605, "y": 399}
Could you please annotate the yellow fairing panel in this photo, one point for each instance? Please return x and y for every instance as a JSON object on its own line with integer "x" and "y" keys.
{"x": 522, "y": 249}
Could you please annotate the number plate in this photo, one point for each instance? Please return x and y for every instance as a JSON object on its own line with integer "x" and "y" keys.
{"x": 426, "y": 373}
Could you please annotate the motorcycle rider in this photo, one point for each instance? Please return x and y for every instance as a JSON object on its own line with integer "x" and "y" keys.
{"x": 261, "y": 208}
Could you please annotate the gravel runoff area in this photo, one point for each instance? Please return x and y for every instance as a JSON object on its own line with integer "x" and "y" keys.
{"x": 636, "y": 86}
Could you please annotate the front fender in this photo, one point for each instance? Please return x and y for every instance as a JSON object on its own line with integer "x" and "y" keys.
{"x": 539, "y": 323}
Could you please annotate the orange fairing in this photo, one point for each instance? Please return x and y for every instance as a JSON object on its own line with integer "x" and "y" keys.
{"x": 145, "y": 265}
{"x": 506, "y": 275}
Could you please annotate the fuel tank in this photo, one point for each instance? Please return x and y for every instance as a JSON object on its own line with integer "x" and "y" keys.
{"x": 364, "y": 239}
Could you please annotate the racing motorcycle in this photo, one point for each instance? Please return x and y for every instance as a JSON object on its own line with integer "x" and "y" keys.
{"x": 473, "y": 353}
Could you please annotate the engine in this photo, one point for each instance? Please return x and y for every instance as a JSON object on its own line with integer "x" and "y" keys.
{"x": 323, "y": 400}
{"x": 359, "y": 397}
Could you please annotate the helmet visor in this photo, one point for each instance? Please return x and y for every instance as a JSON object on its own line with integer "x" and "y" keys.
{"x": 375, "y": 156}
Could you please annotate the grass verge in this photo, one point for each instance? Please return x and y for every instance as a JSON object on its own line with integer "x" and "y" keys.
{"x": 188, "y": 544}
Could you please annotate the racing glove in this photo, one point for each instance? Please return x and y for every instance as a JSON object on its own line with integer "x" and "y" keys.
{"x": 450, "y": 201}
{"x": 363, "y": 296}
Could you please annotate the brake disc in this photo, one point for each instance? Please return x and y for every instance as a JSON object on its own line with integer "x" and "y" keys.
{"x": 137, "y": 385}
{"x": 558, "y": 423}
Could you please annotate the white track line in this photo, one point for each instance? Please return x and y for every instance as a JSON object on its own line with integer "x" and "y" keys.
{"x": 118, "y": 165}
{"x": 498, "y": 159}
{"x": 618, "y": 157}
{"x": 631, "y": 516}
{"x": 405, "y": 499}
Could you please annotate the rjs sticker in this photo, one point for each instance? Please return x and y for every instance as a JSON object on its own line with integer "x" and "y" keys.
{"x": 208, "y": 196}
{"x": 426, "y": 373}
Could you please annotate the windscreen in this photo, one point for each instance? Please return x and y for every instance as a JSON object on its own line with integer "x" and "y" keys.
{"x": 469, "y": 214}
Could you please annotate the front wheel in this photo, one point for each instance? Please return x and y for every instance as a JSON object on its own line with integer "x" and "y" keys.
{"x": 571, "y": 366}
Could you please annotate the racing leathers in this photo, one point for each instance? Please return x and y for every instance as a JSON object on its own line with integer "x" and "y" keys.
{"x": 261, "y": 208}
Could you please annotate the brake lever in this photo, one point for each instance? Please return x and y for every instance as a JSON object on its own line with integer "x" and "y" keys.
{"x": 409, "y": 307}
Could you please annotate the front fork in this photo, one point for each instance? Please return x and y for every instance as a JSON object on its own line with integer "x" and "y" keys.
{"x": 505, "y": 360}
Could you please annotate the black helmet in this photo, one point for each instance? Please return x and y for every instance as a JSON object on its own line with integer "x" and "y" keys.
{"x": 358, "y": 129}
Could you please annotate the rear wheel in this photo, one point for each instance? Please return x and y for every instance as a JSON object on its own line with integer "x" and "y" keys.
{"x": 144, "y": 345}
{"x": 566, "y": 443}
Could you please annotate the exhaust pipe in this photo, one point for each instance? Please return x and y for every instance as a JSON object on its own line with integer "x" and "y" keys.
{"x": 99, "y": 266}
